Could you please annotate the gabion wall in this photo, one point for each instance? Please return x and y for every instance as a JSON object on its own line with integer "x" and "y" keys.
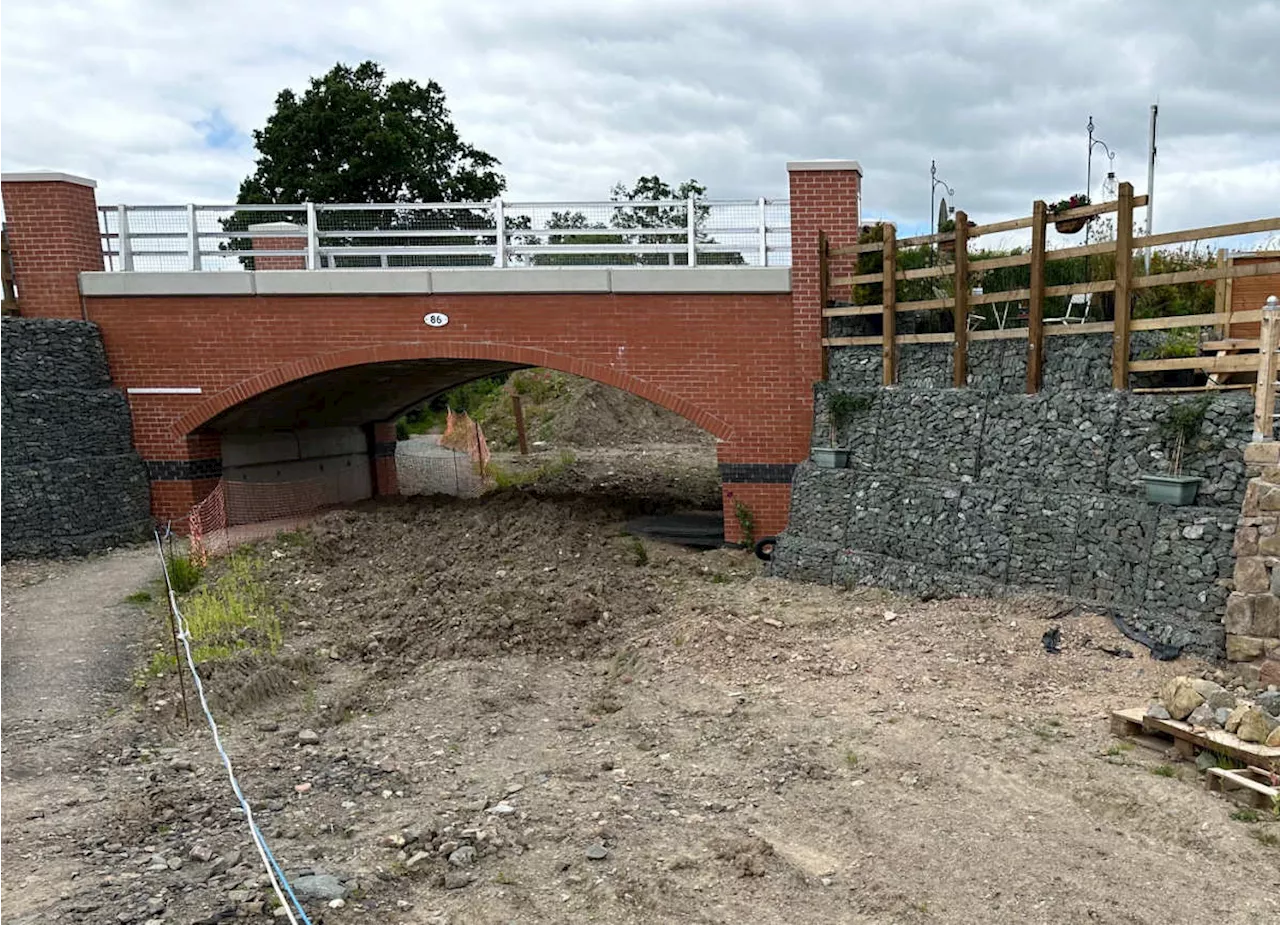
{"x": 73, "y": 482}
{"x": 986, "y": 490}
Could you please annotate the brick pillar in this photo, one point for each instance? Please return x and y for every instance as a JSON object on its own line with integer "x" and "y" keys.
{"x": 824, "y": 197}
{"x": 280, "y": 241}
{"x": 1252, "y": 620}
{"x": 52, "y": 220}
{"x": 382, "y": 447}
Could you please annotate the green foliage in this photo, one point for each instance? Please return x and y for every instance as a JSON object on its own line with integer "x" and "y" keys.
{"x": 746, "y": 522}
{"x": 504, "y": 478}
{"x": 402, "y": 430}
{"x": 1164, "y": 770}
{"x": 1177, "y": 342}
{"x": 539, "y": 391}
{"x": 639, "y": 553}
{"x": 1074, "y": 202}
{"x": 946, "y": 226}
{"x": 1246, "y": 815}
{"x": 1181, "y": 299}
{"x": 233, "y": 614}
{"x": 842, "y": 408}
{"x": 1180, "y": 427}
{"x": 471, "y": 397}
{"x": 183, "y": 574}
{"x": 352, "y": 136}
{"x": 139, "y": 597}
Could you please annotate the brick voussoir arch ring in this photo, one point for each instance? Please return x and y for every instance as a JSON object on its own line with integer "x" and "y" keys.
{"x": 228, "y": 398}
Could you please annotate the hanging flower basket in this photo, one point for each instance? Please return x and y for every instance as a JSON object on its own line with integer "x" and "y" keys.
{"x": 1069, "y": 225}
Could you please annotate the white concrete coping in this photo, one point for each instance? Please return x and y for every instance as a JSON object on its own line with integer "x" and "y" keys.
{"x": 800, "y": 166}
{"x": 46, "y": 176}
{"x": 161, "y": 284}
{"x": 341, "y": 282}
{"x": 701, "y": 279}
{"x": 280, "y": 228}
{"x": 512, "y": 281}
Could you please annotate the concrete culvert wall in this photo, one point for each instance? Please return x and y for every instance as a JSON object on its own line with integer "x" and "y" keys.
{"x": 988, "y": 492}
{"x": 73, "y": 482}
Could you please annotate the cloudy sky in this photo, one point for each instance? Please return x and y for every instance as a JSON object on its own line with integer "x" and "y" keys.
{"x": 156, "y": 99}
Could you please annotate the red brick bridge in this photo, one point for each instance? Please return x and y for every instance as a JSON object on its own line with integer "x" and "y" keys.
{"x": 309, "y": 357}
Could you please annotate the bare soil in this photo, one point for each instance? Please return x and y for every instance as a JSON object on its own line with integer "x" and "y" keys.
{"x": 516, "y": 675}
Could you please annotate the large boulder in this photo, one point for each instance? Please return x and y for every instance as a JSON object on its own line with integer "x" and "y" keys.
{"x": 1180, "y": 697}
{"x": 1257, "y": 725}
{"x": 1233, "y": 721}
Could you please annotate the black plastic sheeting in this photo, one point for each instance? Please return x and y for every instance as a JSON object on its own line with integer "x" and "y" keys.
{"x": 699, "y": 529}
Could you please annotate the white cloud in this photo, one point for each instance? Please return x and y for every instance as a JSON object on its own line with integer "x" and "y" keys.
{"x": 574, "y": 96}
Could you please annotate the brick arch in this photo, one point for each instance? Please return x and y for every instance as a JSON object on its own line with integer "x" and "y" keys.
{"x": 242, "y": 391}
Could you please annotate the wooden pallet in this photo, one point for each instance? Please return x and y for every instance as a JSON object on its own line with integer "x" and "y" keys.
{"x": 1187, "y": 741}
{"x": 1251, "y": 786}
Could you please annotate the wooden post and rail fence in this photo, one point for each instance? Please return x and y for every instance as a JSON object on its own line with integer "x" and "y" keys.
{"x": 1123, "y": 284}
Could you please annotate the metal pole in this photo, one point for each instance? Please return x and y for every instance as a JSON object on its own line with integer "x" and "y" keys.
{"x": 500, "y": 236}
{"x": 691, "y": 233}
{"x": 933, "y": 188}
{"x": 1151, "y": 183}
{"x": 126, "y": 246}
{"x": 313, "y": 238}
{"x": 193, "y": 237}
{"x": 1088, "y": 190}
{"x": 764, "y": 236}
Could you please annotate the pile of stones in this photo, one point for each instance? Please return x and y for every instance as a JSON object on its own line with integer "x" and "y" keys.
{"x": 1206, "y": 704}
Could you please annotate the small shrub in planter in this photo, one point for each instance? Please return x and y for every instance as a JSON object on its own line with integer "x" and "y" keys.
{"x": 1182, "y": 424}
{"x": 841, "y": 409}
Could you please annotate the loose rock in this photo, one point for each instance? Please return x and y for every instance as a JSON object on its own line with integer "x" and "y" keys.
{"x": 597, "y": 852}
{"x": 308, "y": 737}
{"x": 1180, "y": 697}
{"x": 319, "y": 886}
{"x": 463, "y": 857}
{"x": 1203, "y": 716}
{"x": 1257, "y": 725}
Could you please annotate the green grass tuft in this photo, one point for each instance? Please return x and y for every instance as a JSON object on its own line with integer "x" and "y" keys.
{"x": 139, "y": 597}
{"x": 184, "y": 574}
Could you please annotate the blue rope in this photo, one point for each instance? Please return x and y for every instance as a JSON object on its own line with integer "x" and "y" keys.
{"x": 259, "y": 839}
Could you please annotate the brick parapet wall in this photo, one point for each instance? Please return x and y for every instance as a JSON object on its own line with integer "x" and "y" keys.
{"x": 53, "y": 236}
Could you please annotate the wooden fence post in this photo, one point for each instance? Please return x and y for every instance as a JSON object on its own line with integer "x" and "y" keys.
{"x": 1124, "y": 276}
{"x": 824, "y": 280}
{"x": 1035, "y": 303}
{"x": 517, "y": 412}
{"x": 961, "y": 312}
{"x": 1264, "y": 398}
{"x": 889, "y": 298}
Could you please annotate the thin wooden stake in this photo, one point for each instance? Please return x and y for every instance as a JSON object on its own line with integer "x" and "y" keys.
{"x": 1124, "y": 277}
{"x": 1035, "y": 302}
{"x": 889, "y": 298}
{"x": 1264, "y": 407}
{"x": 961, "y": 362}
{"x": 824, "y": 273}
{"x": 517, "y": 411}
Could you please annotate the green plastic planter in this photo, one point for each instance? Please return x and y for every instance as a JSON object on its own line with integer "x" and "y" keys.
{"x": 1177, "y": 490}
{"x": 830, "y": 457}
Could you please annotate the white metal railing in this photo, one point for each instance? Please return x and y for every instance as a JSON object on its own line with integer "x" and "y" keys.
{"x": 679, "y": 232}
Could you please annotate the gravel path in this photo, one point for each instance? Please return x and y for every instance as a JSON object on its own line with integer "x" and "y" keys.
{"x": 66, "y": 639}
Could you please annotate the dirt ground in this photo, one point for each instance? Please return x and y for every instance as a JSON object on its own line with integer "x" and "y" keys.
{"x": 525, "y": 715}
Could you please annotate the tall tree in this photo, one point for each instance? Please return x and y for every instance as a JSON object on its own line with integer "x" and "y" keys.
{"x": 355, "y": 137}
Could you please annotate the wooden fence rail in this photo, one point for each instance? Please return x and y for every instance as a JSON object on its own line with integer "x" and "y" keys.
{"x": 1123, "y": 284}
